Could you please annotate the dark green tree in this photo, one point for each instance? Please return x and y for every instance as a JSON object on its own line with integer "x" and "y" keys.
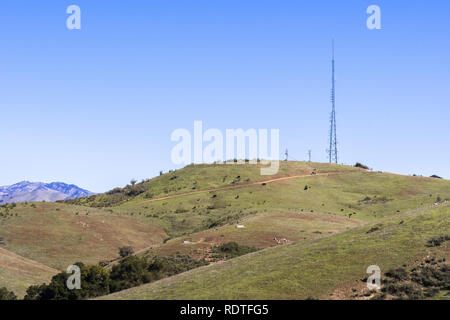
{"x": 5, "y": 294}
{"x": 94, "y": 282}
{"x": 126, "y": 251}
{"x": 130, "y": 272}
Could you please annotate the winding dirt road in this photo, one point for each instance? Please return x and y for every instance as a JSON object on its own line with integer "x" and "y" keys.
{"x": 238, "y": 186}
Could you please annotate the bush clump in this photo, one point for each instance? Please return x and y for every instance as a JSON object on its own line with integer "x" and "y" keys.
{"x": 360, "y": 165}
{"x": 126, "y": 251}
{"x": 437, "y": 241}
{"x": 98, "y": 281}
{"x": 95, "y": 282}
{"x": 424, "y": 281}
{"x": 5, "y": 294}
{"x": 374, "y": 228}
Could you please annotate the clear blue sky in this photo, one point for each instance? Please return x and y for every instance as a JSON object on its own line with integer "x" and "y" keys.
{"x": 96, "y": 107}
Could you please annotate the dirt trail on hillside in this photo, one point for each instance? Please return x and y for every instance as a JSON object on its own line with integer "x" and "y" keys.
{"x": 229, "y": 188}
{"x": 239, "y": 186}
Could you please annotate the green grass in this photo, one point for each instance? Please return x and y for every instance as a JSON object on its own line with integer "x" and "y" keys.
{"x": 200, "y": 177}
{"x": 306, "y": 269}
{"x": 305, "y": 208}
{"x": 342, "y": 193}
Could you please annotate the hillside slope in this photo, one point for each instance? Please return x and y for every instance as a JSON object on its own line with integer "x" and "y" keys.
{"x": 196, "y": 208}
{"x": 59, "y": 235}
{"x": 18, "y": 273}
{"x": 297, "y": 208}
{"x": 334, "y": 189}
{"x": 194, "y": 178}
{"x": 263, "y": 230}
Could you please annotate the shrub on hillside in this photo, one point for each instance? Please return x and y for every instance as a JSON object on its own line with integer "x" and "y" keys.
{"x": 374, "y": 228}
{"x": 398, "y": 274}
{"x": 231, "y": 250}
{"x": 114, "y": 196}
{"x": 426, "y": 280}
{"x": 130, "y": 272}
{"x": 171, "y": 265}
{"x": 134, "y": 271}
{"x": 94, "y": 282}
{"x": 437, "y": 241}
{"x": 126, "y": 251}
{"x": 360, "y": 165}
{"x": 97, "y": 281}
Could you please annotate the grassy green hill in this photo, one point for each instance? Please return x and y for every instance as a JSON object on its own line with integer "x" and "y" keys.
{"x": 335, "y": 189}
{"x": 314, "y": 268}
{"x": 299, "y": 209}
{"x": 323, "y": 212}
{"x": 199, "y": 177}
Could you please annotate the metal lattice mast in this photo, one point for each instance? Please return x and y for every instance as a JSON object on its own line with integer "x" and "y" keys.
{"x": 332, "y": 151}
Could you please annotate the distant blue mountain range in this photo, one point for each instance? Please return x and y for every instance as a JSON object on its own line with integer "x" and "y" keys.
{"x": 40, "y": 191}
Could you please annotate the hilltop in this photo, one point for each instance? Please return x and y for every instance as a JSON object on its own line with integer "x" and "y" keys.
{"x": 308, "y": 204}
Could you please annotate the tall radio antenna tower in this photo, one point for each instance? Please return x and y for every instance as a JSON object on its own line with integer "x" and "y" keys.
{"x": 332, "y": 151}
